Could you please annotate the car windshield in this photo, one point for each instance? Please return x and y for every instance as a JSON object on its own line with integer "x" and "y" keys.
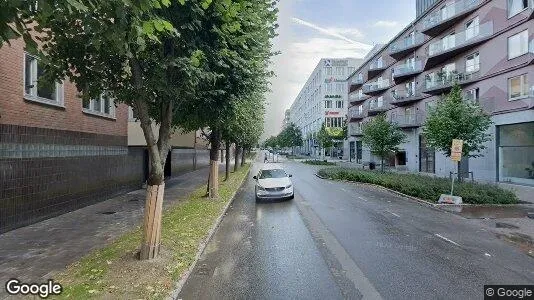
{"x": 274, "y": 173}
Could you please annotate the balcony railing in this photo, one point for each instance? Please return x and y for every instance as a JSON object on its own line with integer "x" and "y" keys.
{"x": 376, "y": 87}
{"x": 463, "y": 38}
{"x": 355, "y": 113}
{"x": 448, "y": 13}
{"x": 356, "y": 97}
{"x": 405, "y": 97}
{"x": 376, "y": 65}
{"x": 376, "y": 107}
{"x": 406, "y": 44}
{"x": 444, "y": 81}
{"x": 357, "y": 81}
{"x": 408, "y": 69}
{"x": 407, "y": 120}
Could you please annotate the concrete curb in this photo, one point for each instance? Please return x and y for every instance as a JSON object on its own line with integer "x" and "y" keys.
{"x": 202, "y": 247}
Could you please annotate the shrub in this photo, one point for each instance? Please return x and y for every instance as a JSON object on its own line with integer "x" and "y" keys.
{"x": 319, "y": 163}
{"x": 425, "y": 187}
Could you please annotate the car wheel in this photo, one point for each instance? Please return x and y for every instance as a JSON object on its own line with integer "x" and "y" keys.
{"x": 292, "y": 197}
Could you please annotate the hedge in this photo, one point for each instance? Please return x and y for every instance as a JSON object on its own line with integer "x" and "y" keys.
{"x": 319, "y": 163}
{"x": 425, "y": 187}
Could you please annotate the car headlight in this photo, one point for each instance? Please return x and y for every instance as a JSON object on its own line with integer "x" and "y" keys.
{"x": 289, "y": 186}
{"x": 260, "y": 188}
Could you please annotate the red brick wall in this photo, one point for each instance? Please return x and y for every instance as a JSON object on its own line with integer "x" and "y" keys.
{"x": 17, "y": 111}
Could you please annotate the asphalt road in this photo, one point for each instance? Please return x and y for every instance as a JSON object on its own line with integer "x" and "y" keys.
{"x": 339, "y": 240}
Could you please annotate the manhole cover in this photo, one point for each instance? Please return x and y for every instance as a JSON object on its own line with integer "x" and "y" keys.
{"x": 109, "y": 212}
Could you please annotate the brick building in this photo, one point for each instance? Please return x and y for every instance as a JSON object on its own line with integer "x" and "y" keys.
{"x": 57, "y": 154}
{"x": 485, "y": 46}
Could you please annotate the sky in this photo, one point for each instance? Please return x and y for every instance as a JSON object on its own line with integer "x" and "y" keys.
{"x": 312, "y": 29}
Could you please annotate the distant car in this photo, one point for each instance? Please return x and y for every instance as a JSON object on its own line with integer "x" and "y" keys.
{"x": 272, "y": 183}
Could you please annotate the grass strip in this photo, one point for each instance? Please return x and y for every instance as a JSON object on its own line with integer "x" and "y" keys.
{"x": 114, "y": 272}
{"x": 425, "y": 187}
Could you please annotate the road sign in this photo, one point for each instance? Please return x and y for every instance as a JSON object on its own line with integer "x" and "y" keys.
{"x": 456, "y": 150}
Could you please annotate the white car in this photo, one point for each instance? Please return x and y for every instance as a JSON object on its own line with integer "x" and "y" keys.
{"x": 272, "y": 183}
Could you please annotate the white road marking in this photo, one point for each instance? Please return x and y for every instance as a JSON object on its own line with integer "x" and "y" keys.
{"x": 394, "y": 214}
{"x": 446, "y": 239}
{"x": 487, "y": 254}
{"x": 362, "y": 198}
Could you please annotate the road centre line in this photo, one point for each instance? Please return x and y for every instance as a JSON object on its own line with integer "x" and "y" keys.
{"x": 446, "y": 239}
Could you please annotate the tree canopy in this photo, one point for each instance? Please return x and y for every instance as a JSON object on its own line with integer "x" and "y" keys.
{"x": 382, "y": 137}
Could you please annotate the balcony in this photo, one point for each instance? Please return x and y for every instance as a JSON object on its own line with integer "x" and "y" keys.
{"x": 406, "y": 97}
{"x": 443, "y": 82}
{"x": 355, "y": 129}
{"x": 355, "y": 98}
{"x": 355, "y": 114}
{"x": 377, "y": 107}
{"x": 453, "y": 45}
{"x": 405, "y": 46}
{"x": 407, "y": 120}
{"x": 356, "y": 82}
{"x": 377, "y": 67}
{"x": 376, "y": 88}
{"x": 443, "y": 19}
{"x": 406, "y": 71}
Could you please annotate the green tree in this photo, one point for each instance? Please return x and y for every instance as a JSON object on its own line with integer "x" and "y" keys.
{"x": 455, "y": 118}
{"x": 325, "y": 139}
{"x": 291, "y": 137}
{"x": 148, "y": 56}
{"x": 382, "y": 137}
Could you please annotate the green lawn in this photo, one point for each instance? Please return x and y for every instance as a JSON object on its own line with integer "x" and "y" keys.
{"x": 114, "y": 272}
{"x": 425, "y": 187}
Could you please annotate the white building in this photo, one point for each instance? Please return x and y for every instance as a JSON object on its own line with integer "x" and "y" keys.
{"x": 324, "y": 98}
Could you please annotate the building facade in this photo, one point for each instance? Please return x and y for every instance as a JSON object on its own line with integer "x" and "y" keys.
{"x": 57, "y": 154}
{"x": 487, "y": 48}
{"x": 323, "y": 99}
{"x": 422, "y": 5}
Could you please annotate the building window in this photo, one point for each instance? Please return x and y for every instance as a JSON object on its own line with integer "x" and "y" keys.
{"x": 472, "y": 63}
{"x": 339, "y": 104}
{"x": 103, "y": 106}
{"x": 328, "y": 104}
{"x": 472, "y": 95}
{"x": 360, "y": 109}
{"x": 328, "y": 87}
{"x": 472, "y": 28}
{"x": 329, "y": 71}
{"x": 518, "y": 44}
{"x": 517, "y": 87}
{"x": 36, "y": 88}
{"x": 516, "y": 6}
{"x": 350, "y": 70}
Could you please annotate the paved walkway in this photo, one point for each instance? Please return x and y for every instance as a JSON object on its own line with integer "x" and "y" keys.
{"x": 36, "y": 252}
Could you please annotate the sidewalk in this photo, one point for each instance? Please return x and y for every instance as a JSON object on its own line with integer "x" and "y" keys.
{"x": 36, "y": 252}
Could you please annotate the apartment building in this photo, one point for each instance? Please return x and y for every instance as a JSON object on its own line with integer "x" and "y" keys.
{"x": 287, "y": 119}
{"x": 57, "y": 154}
{"x": 323, "y": 99}
{"x": 487, "y": 48}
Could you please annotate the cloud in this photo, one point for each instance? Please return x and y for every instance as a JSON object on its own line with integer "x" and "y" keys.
{"x": 387, "y": 24}
{"x": 334, "y": 33}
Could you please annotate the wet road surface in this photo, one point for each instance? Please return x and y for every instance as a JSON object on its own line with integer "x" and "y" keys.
{"x": 339, "y": 240}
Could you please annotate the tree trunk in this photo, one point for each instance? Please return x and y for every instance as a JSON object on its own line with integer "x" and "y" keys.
{"x": 242, "y": 156}
{"x": 236, "y": 157}
{"x": 215, "y": 140}
{"x": 382, "y": 164}
{"x": 227, "y": 157}
{"x": 222, "y": 156}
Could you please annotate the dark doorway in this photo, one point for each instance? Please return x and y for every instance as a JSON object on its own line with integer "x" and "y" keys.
{"x": 359, "y": 152}
{"x": 168, "y": 165}
{"x": 401, "y": 158}
{"x": 427, "y": 157}
{"x": 352, "y": 151}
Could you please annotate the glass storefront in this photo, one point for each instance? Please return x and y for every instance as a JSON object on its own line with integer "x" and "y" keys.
{"x": 516, "y": 153}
